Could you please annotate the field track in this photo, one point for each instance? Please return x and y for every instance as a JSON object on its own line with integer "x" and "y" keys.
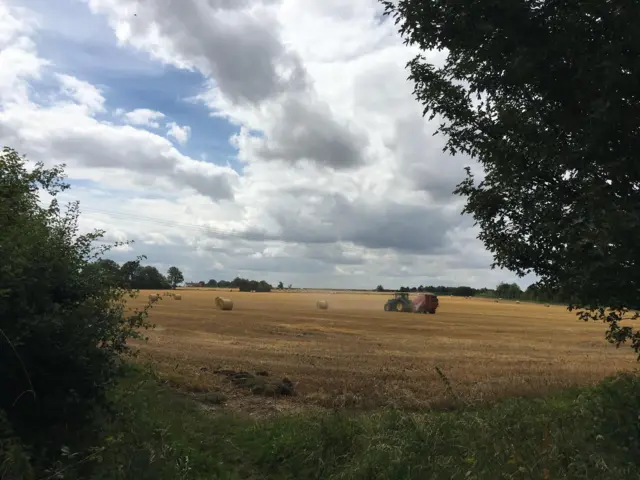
{"x": 356, "y": 355}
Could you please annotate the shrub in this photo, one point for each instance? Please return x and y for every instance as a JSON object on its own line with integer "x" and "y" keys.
{"x": 63, "y": 325}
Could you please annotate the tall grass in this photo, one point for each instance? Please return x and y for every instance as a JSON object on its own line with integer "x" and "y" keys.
{"x": 157, "y": 434}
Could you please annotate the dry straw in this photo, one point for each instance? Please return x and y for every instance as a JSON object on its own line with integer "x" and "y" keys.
{"x": 224, "y": 303}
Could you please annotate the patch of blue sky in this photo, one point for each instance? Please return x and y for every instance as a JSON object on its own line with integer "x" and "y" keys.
{"x": 81, "y": 44}
{"x": 82, "y": 186}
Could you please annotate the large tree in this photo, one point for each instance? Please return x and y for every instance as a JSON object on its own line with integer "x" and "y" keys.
{"x": 546, "y": 96}
{"x": 510, "y": 291}
{"x": 174, "y": 276}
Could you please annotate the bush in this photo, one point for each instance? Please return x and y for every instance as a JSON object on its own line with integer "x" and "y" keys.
{"x": 577, "y": 434}
{"x": 63, "y": 325}
{"x": 14, "y": 462}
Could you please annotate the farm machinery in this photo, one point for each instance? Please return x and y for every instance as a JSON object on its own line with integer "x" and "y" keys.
{"x": 421, "y": 303}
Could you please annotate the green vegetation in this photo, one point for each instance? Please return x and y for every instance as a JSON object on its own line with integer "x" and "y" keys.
{"x": 72, "y": 407}
{"x": 461, "y": 291}
{"x": 541, "y": 94}
{"x": 133, "y": 275}
{"x": 544, "y": 95}
{"x": 63, "y": 325}
{"x": 242, "y": 284}
{"x": 510, "y": 291}
{"x": 158, "y": 434}
{"x": 174, "y": 276}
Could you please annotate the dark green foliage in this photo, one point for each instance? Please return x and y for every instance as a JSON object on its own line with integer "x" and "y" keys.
{"x": 63, "y": 325}
{"x": 463, "y": 292}
{"x": 132, "y": 275}
{"x": 242, "y": 284}
{"x": 138, "y": 277}
{"x": 14, "y": 461}
{"x": 174, "y": 276}
{"x": 533, "y": 293}
{"x": 511, "y": 291}
{"x": 545, "y": 95}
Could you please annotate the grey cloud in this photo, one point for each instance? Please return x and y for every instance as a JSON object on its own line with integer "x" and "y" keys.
{"x": 405, "y": 228}
{"x": 298, "y": 267}
{"x": 331, "y": 254}
{"x": 409, "y": 229}
{"x": 245, "y": 244}
{"x": 240, "y": 50}
{"x": 88, "y": 151}
{"x": 216, "y": 187}
{"x": 305, "y": 130}
{"x": 478, "y": 259}
{"x": 426, "y": 165}
{"x": 243, "y": 53}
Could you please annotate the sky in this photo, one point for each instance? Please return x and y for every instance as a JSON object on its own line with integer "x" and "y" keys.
{"x": 268, "y": 139}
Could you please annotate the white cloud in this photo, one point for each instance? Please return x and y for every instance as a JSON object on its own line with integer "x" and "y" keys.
{"x": 340, "y": 179}
{"x": 83, "y": 93}
{"x": 180, "y": 133}
{"x": 19, "y": 61}
{"x": 95, "y": 150}
{"x": 143, "y": 117}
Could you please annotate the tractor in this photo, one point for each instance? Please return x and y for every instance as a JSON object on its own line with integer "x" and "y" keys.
{"x": 422, "y": 303}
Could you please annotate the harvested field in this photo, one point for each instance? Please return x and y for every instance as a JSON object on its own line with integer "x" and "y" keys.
{"x": 355, "y": 355}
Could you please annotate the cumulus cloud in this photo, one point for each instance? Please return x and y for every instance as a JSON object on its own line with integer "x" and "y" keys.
{"x": 180, "y": 133}
{"x": 82, "y": 93}
{"x": 89, "y": 147}
{"x": 238, "y": 45}
{"x": 333, "y": 177}
{"x": 143, "y": 117}
{"x": 19, "y": 61}
{"x": 68, "y": 132}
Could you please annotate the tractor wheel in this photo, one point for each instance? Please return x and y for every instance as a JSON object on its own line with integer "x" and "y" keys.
{"x": 399, "y": 306}
{"x": 432, "y": 311}
{"x": 387, "y": 307}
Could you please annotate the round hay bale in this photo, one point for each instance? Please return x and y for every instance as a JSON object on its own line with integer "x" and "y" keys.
{"x": 517, "y": 301}
{"x": 177, "y": 296}
{"x": 322, "y": 304}
{"x": 154, "y": 297}
{"x": 547, "y": 305}
{"x": 224, "y": 303}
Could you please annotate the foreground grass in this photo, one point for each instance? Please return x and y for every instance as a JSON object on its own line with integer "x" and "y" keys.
{"x": 157, "y": 434}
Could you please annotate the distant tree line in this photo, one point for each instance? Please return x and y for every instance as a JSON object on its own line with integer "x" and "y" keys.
{"x": 461, "y": 291}
{"x": 242, "y": 284}
{"x": 510, "y": 291}
{"x": 133, "y": 275}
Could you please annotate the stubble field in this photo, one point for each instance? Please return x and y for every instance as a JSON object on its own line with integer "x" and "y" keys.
{"x": 355, "y": 355}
